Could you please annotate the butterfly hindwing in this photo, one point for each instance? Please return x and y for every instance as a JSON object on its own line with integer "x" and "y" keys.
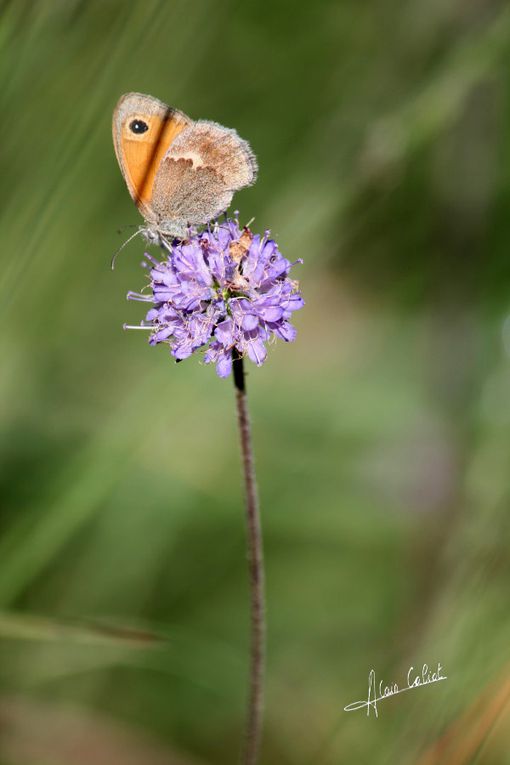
{"x": 195, "y": 182}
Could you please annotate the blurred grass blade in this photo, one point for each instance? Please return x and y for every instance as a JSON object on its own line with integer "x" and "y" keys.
{"x": 465, "y": 737}
{"x": 30, "y": 627}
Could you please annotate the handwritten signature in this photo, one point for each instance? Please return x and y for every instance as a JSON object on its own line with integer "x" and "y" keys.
{"x": 379, "y": 692}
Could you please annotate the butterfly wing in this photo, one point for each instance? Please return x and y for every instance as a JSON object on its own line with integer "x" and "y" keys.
{"x": 143, "y": 129}
{"x": 197, "y": 178}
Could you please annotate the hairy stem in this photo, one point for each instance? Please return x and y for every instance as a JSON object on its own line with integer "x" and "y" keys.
{"x": 254, "y": 715}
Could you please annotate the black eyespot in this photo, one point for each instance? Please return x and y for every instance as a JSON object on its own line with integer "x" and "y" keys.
{"x": 138, "y": 126}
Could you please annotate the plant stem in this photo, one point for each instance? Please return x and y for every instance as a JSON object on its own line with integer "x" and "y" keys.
{"x": 254, "y": 714}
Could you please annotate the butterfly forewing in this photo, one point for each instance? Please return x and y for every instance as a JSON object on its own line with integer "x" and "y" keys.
{"x": 143, "y": 129}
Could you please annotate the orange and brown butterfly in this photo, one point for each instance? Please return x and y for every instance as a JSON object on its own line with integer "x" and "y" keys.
{"x": 180, "y": 172}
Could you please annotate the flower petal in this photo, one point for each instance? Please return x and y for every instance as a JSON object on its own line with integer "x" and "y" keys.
{"x": 250, "y": 321}
{"x": 224, "y": 364}
{"x": 286, "y": 331}
{"x": 224, "y": 332}
{"x": 271, "y": 312}
{"x": 257, "y": 351}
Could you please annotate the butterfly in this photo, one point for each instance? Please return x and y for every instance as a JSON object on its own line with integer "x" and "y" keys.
{"x": 180, "y": 172}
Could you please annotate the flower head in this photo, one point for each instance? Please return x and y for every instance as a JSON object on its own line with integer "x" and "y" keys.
{"x": 221, "y": 290}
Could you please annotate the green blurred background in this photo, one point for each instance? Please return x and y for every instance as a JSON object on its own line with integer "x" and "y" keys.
{"x": 382, "y": 435}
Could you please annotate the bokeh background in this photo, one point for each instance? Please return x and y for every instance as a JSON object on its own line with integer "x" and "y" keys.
{"x": 382, "y": 435}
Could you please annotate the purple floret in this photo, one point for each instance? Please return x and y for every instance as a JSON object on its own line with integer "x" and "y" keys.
{"x": 220, "y": 290}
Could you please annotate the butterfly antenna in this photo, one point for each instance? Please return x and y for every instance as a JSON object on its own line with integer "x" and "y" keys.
{"x": 139, "y": 231}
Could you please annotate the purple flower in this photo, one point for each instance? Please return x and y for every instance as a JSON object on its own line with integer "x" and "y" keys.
{"x": 222, "y": 289}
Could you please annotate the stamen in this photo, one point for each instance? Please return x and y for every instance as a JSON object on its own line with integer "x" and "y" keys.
{"x": 137, "y": 326}
{"x": 140, "y": 298}
{"x": 153, "y": 260}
